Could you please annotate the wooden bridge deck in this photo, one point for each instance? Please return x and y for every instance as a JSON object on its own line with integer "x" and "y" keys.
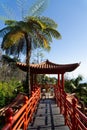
{"x": 48, "y": 117}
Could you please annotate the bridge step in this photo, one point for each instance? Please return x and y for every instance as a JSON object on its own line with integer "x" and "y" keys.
{"x": 48, "y": 117}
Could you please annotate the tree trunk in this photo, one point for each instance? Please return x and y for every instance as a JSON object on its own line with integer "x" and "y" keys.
{"x": 28, "y": 54}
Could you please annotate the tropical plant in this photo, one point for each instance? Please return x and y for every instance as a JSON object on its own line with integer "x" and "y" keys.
{"x": 78, "y": 87}
{"x": 8, "y": 90}
{"x": 31, "y": 32}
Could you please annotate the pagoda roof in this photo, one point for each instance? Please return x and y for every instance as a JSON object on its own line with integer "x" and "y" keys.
{"x": 48, "y": 67}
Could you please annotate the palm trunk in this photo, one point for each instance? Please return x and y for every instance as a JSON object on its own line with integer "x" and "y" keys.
{"x": 28, "y": 54}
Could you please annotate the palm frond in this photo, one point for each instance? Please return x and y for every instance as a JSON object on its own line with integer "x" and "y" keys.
{"x": 48, "y": 21}
{"x": 9, "y": 12}
{"x": 44, "y": 22}
{"x": 16, "y": 36}
{"x": 54, "y": 33}
{"x": 36, "y": 21}
{"x": 47, "y": 35}
{"x": 22, "y": 5}
{"x": 45, "y": 42}
{"x": 4, "y": 31}
{"x": 16, "y": 49}
{"x": 11, "y": 39}
{"x": 38, "y": 43}
{"x": 24, "y": 26}
{"x": 3, "y": 18}
{"x": 11, "y": 50}
{"x": 38, "y": 7}
{"x": 39, "y": 40}
{"x": 10, "y": 22}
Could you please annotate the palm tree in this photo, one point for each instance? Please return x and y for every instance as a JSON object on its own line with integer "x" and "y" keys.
{"x": 73, "y": 85}
{"x": 22, "y": 36}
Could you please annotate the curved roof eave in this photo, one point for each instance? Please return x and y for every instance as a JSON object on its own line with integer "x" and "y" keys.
{"x": 48, "y": 67}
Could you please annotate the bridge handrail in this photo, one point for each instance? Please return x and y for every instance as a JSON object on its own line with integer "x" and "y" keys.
{"x": 24, "y": 115}
{"x": 74, "y": 118}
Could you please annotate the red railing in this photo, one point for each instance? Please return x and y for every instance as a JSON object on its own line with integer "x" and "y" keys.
{"x": 74, "y": 118}
{"x": 25, "y": 114}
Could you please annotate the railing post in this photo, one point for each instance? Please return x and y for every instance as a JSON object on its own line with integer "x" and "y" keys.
{"x": 57, "y": 96}
{"x": 61, "y": 100}
{"x": 25, "y": 122}
{"x": 74, "y": 101}
{"x": 56, "y": 91}
{"x": 8, "y": 114}
{"x": 8, "y": 118}
{"x": 65, "y": 108}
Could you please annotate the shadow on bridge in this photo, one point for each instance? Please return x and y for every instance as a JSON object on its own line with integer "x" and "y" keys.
{"x": 48, "y": 116}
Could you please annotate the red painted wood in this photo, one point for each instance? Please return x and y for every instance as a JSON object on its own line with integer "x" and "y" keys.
{"x": 74, "y": 118}
{"x": 24, "y": 116}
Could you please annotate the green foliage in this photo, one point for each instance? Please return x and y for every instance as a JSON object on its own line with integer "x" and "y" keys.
{"x": 76, "y": 86}
{"x": 8, "y": 90}
{"x": 44, "y": 79}
{"x": 2, "y": 98}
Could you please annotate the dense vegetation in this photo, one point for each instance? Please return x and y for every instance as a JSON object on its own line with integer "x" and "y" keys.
{"x": 11, "y": 80}
{"x": 9, "y": 90}
{"x": 76, "y": 86}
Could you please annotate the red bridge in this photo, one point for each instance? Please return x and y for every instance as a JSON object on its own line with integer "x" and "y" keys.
{"x": 51, "y": 113}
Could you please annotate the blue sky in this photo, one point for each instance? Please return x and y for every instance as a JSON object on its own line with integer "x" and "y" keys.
{"x": 71, "y": 17}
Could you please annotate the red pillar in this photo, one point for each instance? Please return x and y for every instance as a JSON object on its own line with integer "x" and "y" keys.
{"x": 59, "y": 91}
{"x": 62, "y": 82}
{"x": 58, "y": 80}
{"x": 74, "y": 125}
